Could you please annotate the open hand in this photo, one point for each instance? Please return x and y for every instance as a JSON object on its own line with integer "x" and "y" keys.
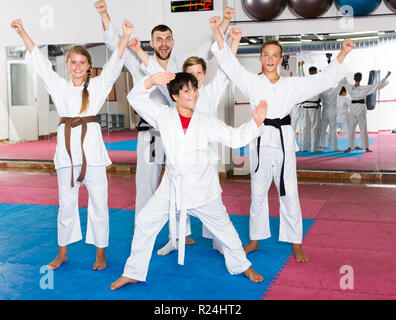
{"x": 162, "y": 78}
{"x": 260, "y": 112}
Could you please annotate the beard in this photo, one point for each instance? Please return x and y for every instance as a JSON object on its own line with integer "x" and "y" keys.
{"x": 159, "y": 55}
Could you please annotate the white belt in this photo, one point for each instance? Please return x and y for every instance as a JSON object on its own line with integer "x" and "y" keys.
{"x": 176, "y": 203}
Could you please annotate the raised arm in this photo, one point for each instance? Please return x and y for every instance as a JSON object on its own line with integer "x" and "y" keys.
{"x": 136, "y": 47}
{"x": 112, "y": 38}
{"x": 38, "y": 62}
{"x": 236, "y": 36}
{"x": 313, "y": 85}
{"x": 101, "y": 7}
{"x": 18, "y": 27}
{"x": 139, "y": 97}
{"x": 230, "y": 64}
{"x": 228, "y": 14}
{"x": 112, "y": 69}
{"x": 246, "y": 133}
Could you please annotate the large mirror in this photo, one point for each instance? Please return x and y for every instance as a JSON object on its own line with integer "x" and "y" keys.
{"x": 355, "y": 130}
{"x": 32, "y": 119}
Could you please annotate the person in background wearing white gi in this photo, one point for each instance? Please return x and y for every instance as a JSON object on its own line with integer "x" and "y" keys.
{"x": 81, "y": 155}
{"x": 297, "y": 113}
{"x": 208, "y": 101}
{"x": 191, "y": 183}
{"x": 311, "y": 121}
{"x": 150, "y": 154}
{"x": 329, "y": 118}
{"x": 343, "y": 106}
{"x": 358, "y": 110}
{"x": 275, "y": 157}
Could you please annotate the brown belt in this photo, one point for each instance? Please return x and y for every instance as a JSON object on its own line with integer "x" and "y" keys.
{"x": 72, "y": 123}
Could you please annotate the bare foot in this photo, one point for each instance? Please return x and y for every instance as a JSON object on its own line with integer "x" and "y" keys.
{"x": 348, "y": 150}
{"x": 253, "y": 245}
{"x": 358, "y": 148}
{"x": 122, "y": 281}
{"x": 253, "y": 275}
{"x": 368, "y": 150}
{"x": 189, "y": 241}
{"x": 55, "y": 264}
{"x": 100, "y": 262}
{"x": 299, "y": 254}
{"x": 59, "y": 260}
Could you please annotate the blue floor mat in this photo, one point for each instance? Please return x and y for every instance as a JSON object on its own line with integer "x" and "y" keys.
{"x": 126, "y": 145}
{"x": 28, "y": 242}
{"x": 327, "y": 153}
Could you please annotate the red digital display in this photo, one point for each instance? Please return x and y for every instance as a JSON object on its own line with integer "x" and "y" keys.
{"x": 190, "y": 6}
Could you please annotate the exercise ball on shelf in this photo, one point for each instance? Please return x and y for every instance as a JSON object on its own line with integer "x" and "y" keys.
{"x": 309, "y": 8}
{"x": 264, "y": 9}
{"x": 391, "y": 4}
{"x": 360, "y": 7}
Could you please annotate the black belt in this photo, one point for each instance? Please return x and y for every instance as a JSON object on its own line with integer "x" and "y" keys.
{"x": 359, "y": 101}
{"x": 277, "y": 123}
{"x": 143, "y": 126}
{"x": 312, "y": 107}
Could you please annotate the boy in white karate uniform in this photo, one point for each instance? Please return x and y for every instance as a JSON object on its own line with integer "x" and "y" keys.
{"x": 80, "y": 155}
{"x": 190, "y": 183}
{"x": 208, "y": 101}
{"x": 275, "y": 156}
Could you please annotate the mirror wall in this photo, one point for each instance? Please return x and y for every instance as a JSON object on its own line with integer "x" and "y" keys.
{"x": 32, "y": 118}
{"x": 372, "y": 57}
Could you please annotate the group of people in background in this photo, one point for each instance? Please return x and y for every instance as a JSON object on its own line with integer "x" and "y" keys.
{"x": 341, "y": 107}
{"x": 179, "y": 127}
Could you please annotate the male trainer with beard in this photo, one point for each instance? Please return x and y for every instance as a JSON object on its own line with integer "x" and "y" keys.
{"x": 150, "y": 153}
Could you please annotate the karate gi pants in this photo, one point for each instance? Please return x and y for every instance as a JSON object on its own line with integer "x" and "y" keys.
{"x": 358, "y": 116}
{"x": 69, "y": 228}
{"x": 153, "y": 217}
{"x": 290, "y": 229}
{"x": 311, "y": 129}
{"x": 329, "y": 119}
{"x": 297, "y": 117}
{"x": 148, "y": 167}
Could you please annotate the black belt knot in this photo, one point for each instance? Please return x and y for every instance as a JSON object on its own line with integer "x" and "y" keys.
{"x": 277, "y": 123}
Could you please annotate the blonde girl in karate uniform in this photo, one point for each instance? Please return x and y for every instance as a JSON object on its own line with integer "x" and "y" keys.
{"x": 81, "y": 155}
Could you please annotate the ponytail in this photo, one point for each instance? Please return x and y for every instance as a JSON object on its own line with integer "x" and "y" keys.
{"x": 85, "y": 92}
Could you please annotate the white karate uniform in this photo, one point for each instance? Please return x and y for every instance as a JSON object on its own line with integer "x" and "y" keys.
{"x": 67, "y": 99}
{"x": 329, "y": 117}
{"x": 311, "y": 125}
{"x": 358, "y": 111}
{"x": 208, "y": 102}
{"x": 343, "y": 105}
{"x": 190, "y": 183}
{"x": 281, "y": 98}
{"x": 148, "y": 170}
{"x": 297, "y": 116}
